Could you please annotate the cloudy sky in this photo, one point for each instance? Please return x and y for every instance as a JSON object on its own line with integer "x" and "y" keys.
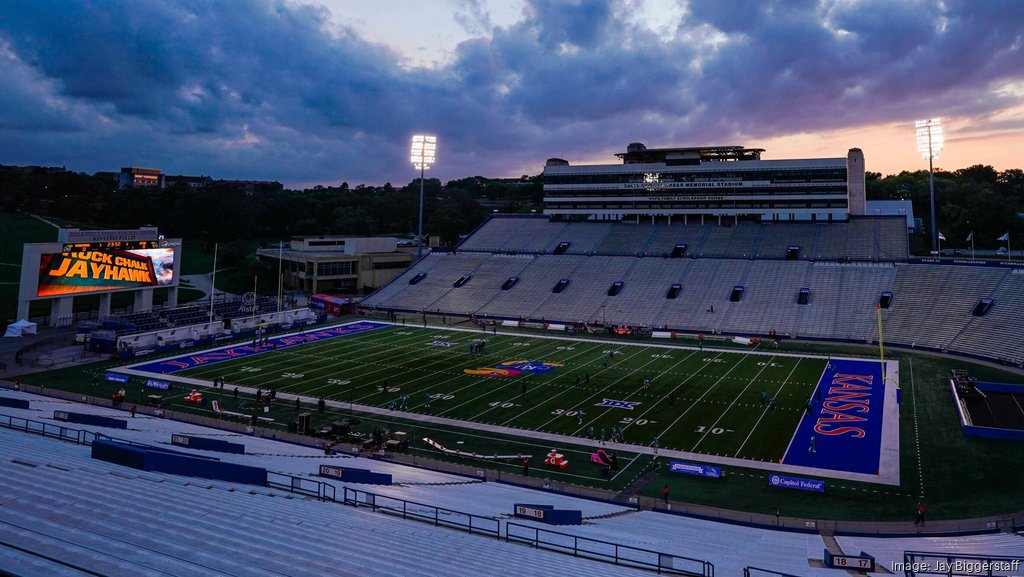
{"x": 320, "y": 93}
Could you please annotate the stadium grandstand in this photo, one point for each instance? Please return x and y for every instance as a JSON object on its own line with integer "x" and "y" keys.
{"x": 70, "y": 508}
{"x": 238, "y": 439}
{"x": 845, "y": 267}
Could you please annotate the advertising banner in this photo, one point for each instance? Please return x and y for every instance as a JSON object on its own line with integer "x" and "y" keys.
{"x": 695, "y": 469}
{"x": 797, "y": 483}
{"x": 91, "y": 270}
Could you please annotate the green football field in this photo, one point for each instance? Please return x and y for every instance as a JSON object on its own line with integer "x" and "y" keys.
{"x": 699, "y": 401}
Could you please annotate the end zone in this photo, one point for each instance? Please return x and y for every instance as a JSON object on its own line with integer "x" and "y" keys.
{"x": 851, "y": 430}
{"x": 167, "y": 366}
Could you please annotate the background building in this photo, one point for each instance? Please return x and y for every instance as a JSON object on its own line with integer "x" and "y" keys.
{"x": 692, "y": 185}
{"x": 140, "y": 177}
{"x": 338, "y": 264}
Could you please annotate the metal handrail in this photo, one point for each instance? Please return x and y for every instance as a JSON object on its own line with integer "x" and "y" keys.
{"x": 438, "y": 516}
{"x": 750, "y": 571}
{"x": 926, "y": 563}
{"x": 78, "y": 436}
{"x": 323, "y": 491}
{"x": 612, "y": 552}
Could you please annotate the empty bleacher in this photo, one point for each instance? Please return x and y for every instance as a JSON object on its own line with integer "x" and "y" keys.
{"x": 495, "y": 235}
{"x": 843, "y": 299}
{"x": 488, "y": 277}
{"x": 887, "y": 550}
{"x": 933, "y": 303}
{"x": 705, "y": 295}
{"x": 132, "y": 323}
{"x": 845, "y": 266}
{"x": 539, "y": 236}
{"x": 622, "y": 236}
{"x": 996, "y": 335}
{"x": 780, "y": 550}
{"x": 765, "y": 305}
{"x": 533, "y": 287}
{"x": 647, "y": 282}
{"x": 95, "y": 517}
{"x": 731, "y": 241}
{"x": 187, "y": 315}
{"x": 863, "y": 238}
{"x": 666, "y": 237}
{"x": 780, "y": 236}
{"x": 589, "y": 287}
{"x": 105, "y": 519}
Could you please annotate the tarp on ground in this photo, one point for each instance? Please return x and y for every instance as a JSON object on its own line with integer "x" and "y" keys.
{"x": 22, "y": 327}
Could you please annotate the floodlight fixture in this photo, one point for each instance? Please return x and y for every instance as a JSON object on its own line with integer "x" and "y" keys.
{"x": 929, "y": 137}
{"x": 422, "y": 154}
{"x": 423, "y": 151}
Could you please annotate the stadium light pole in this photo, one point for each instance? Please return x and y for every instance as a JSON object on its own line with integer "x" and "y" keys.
{"x": 929, "y": 145}
{"x": 422, "y": 153}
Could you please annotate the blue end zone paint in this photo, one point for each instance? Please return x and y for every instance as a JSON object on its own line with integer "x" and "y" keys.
{"x": 167, "y": 366}
{"x": 846, "y": 423}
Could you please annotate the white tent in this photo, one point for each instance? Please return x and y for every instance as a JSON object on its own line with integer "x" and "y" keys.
{"x": 22, "y": 327}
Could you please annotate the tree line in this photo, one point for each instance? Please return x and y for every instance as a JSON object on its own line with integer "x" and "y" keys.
{"x": 221, "y": 211}
{"x": 976, "y": 199}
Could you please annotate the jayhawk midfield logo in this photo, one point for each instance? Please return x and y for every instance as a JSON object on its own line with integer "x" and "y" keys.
{"x": 513, "y": 368}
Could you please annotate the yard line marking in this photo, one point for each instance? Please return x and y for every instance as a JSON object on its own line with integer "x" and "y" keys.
{"x": 601, "y": 391}
{"x": 471, "y": 381}
{"x": 765, "y": 411}
{"x": 271, "y": 360}
{"x": 684, "y": 381}
{"x": 313, "y": 364}
{"x": 706, "y": 391}
{"x": 606, "y": 389}
{"x": 301, "y": 361}
{"x": 507, "y": 385}
{"x": 738, "y": 396}
{"x": 797, "y": 427}
{"x": 917, "y": 439}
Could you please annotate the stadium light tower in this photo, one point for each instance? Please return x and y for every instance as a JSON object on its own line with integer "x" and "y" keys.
{"x": 929, "y": 145}
{"x": 422, "y": 153}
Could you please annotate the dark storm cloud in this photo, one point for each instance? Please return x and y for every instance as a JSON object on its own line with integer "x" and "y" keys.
{"x": 260, "y": 89}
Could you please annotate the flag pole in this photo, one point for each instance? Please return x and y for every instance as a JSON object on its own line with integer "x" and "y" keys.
{"x": 972, "y": 245}
{"x": 280, "y": 275}
{"x": 213, "y": 281}
{"x": 255, "y": 299}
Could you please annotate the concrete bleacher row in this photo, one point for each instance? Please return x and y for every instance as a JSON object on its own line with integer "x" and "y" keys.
{"x": 931, "y": 307}
{"x": 114, "y": 521}
{"x": 868, "y": 238}
{"x": 147, "y": 321}
{"x": 887, "y": 551}
{"x": 56, "y": 503}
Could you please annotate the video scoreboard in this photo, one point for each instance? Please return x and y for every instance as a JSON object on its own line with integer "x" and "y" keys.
{"x": 113, "y": 245}
{"x": 105, "y": 265}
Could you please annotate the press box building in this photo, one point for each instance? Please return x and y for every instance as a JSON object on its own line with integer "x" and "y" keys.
{"x": 706, "y": 185}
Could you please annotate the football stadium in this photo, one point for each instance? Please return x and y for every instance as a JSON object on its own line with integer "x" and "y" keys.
{"x": 696, "y": 362}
